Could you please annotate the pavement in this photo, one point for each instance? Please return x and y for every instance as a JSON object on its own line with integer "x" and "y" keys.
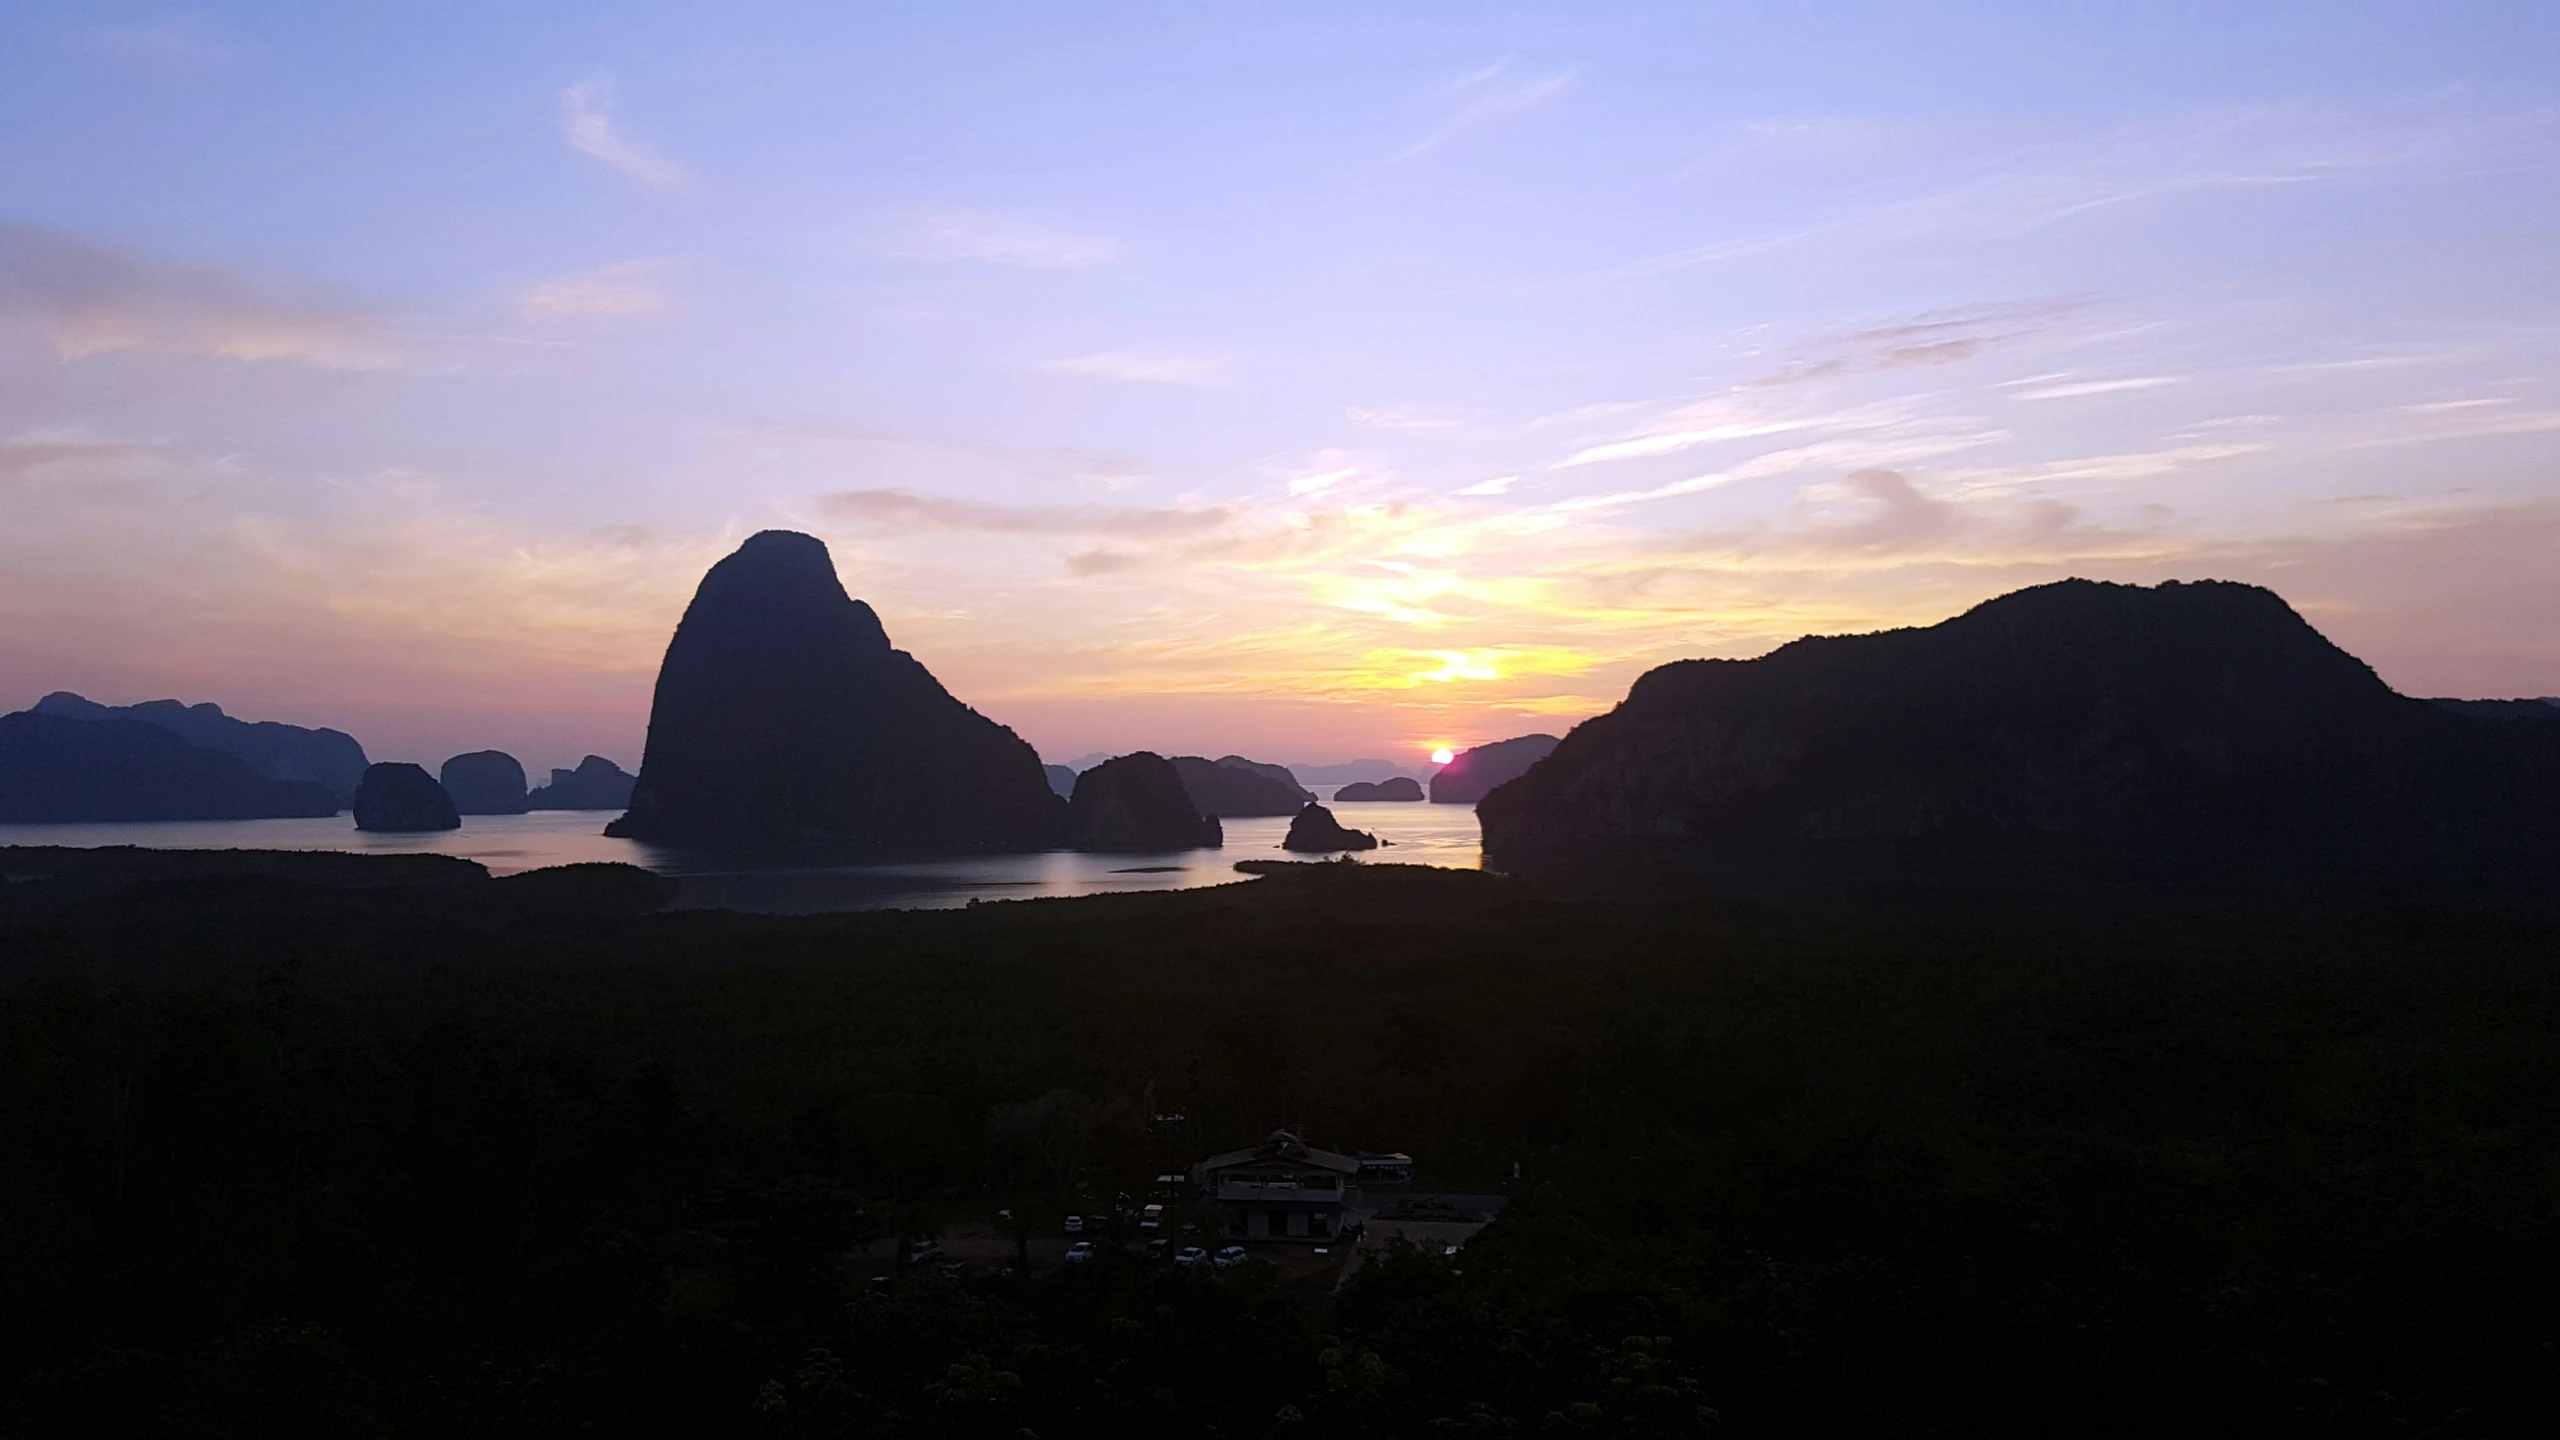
{"x": 1436, "y": 1222}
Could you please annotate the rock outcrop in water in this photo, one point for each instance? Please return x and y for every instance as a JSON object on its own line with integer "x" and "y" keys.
{"x": 597, "y": 784}
{"x": 1136, "y": 802}
{"x": 2203, "y": 727}
{"x": 1315, "y": 830}
{"x": 1402, "y": 787}
{"x": 783, "y": 714}
{"x": 1236, "y": 786}
{"x": 395, "y": 795}
{"x": 485, "y": 782}
{"x": 332, "y": 758}
{"x": 55, "y": 770}
{"x": 1473, "y": 774}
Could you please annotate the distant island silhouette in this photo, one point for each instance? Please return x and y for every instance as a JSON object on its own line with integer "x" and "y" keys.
{"x": 55, "y": 770}
{"x": 596, "y": 784}
{"x": 1233, "y": 785}
{"x": 273, "y": 749}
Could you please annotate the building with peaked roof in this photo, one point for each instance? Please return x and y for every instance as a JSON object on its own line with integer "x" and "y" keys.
{"x": 1281, "y": 1189}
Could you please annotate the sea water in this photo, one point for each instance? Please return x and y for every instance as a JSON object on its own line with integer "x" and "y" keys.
{"x": 799, "y": 881}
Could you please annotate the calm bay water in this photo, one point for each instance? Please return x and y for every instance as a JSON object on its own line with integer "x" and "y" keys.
{"x": 795, "y": 882}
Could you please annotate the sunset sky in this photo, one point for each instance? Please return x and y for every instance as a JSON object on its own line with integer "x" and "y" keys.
{"x": 1311, "y": 381}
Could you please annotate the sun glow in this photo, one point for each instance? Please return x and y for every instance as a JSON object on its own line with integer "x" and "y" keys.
{"x": 1443, "y": 755}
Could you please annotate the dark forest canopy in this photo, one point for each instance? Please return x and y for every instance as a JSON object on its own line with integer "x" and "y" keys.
{"x": 449, "y": 1155}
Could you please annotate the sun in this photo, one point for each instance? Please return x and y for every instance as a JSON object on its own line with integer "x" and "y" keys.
{"x": 1443, "y": 755}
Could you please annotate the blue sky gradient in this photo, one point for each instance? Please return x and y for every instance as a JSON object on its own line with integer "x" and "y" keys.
{"x": 1301, "y": 380}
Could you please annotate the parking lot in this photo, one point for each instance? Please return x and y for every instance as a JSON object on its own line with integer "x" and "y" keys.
{"x": 1435, "y": 1222}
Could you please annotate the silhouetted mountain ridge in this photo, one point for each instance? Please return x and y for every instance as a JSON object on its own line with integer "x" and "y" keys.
{"x": 55, "y": 770}
{"x": 272, "y": 748}
{"x": 2196, "y": 724}
{"x": 1237, "y": 786}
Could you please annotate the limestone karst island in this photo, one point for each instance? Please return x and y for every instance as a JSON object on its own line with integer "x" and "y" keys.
{"x": 1312, "y": 722}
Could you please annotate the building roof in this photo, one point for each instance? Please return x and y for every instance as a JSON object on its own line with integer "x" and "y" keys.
{"x": 1285, "y": 1148}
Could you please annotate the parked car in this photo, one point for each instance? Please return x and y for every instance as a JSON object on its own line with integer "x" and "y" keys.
{"x": 1151, "y": 1218}
{"x": 1079, "y": 1252}
{"x": 1229, "y": 1258}
{"x": 1190, "y": 1255}
{"x": 1157, "y": 1247}
{"x": 1075, "y": 1224}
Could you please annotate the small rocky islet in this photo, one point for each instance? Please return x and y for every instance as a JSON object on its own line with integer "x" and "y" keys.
{"x": 1315, "y": 831}
{"x": 1401, "y": 787}
{"x": 1137, "y": 802}
{"x": 398, "y": 796}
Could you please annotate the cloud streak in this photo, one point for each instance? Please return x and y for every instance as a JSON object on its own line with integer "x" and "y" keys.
{"x": 946, "y": 236}
{"x": 586, "y": 121}
{"x": 621, "y": 291}
{"x": 1145, "y": 367}
{"x": 2083, "y": 389}
{"x": 87, "y": 299}
{"x": 889, "y": 508}
{"x": 2017, "y": 191}
{"x": 1487, "y": 97}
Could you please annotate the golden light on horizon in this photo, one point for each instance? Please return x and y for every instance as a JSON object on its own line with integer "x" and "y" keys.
{"x": 1443, "y": 755}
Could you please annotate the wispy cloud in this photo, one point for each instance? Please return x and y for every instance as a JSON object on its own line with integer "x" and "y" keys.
{"x": 1408, "y": 417}
{"x": 1146, "y": 367}
{"x": 610, "y": 292}
{"x": 966, "y": 235}
{"x": 1330, "y": 472}
{"x": 2082, "y": 389}
{"x": 2129, "y": 465}
{"x": 1902, "y": 444}
{"x": 905, "y": 508}
{"x": 87, "y": 299}
{"x": 1085, "y": 564}
{"x": 2007, "y": 192}
{"x": 139, "y": 571}
{"x": 1730, "y": 417}
{"x": 586, "y": 118}
{"x": 35, "y": 461}
{"x": 1491, "y": 94}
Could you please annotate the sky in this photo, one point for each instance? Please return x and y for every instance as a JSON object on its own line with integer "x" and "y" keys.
{"x": 1307, "y": 381}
